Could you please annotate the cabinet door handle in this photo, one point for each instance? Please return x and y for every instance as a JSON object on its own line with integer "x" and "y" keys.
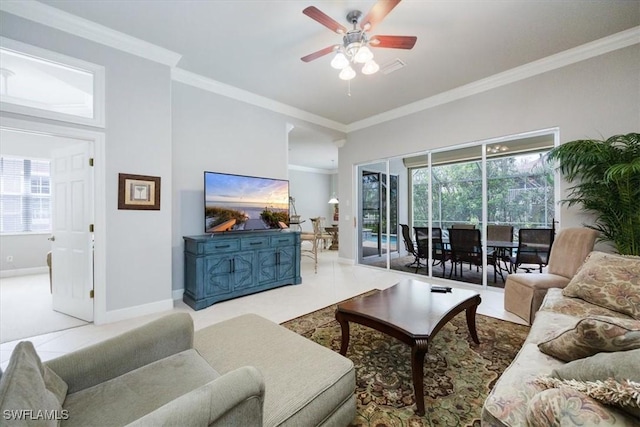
{"x": 277, "y": 257}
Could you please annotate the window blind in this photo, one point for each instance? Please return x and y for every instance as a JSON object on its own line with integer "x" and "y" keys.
{"x": 25, "y": 195}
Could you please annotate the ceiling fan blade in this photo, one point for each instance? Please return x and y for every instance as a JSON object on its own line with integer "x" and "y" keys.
{"x": 377, "y": 13}
{"x": 318, "y": 54}
{"x": 393, "y": 42}
{"x": 317, "y": 15}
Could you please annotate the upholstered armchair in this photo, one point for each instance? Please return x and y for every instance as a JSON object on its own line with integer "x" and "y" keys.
{"x": 524, "y": 292}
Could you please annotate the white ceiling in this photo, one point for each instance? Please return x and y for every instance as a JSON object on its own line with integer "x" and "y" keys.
{"x": 256, "y": 46}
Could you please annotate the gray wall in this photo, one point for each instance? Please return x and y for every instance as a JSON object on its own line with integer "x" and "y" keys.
{"x": 312, "y": 191}
{"x": 594, "y": 98}
{"x": 138, "y": 141}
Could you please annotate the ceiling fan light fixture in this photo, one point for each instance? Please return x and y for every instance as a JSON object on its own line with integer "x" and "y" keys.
{"x": 339, "y": 61}
{"x": 371, "y": 67}
{"x": 347, "y": 73}
{"x": 363, "y": 55}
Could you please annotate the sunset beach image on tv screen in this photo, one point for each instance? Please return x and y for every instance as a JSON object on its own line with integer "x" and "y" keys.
{"x": 238, "y": 202}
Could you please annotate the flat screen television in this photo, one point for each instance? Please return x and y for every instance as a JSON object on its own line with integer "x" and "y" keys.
{"x": 238, "y": 202}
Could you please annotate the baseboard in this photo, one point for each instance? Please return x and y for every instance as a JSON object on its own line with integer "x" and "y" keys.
{"x": 24, "y": 271}
{"x": 176, "y": 294}
{"x": 137, "y": 311}
{"x": 347, "y": 261}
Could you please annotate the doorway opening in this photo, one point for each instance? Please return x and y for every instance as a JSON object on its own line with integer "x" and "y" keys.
{"x": 41, "y": 290}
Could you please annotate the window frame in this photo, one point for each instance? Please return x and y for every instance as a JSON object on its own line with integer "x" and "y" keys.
{"x": 98, "y": 72}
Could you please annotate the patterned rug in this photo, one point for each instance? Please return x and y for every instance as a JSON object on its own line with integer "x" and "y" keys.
{"x": 459, "y": 374}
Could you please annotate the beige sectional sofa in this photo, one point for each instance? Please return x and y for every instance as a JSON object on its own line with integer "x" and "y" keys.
{"x": 583, "y": 348}
{"x": 245, "y": 371}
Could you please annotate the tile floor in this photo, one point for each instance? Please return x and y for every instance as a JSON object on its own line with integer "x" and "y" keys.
{"x": 334, "y": 282}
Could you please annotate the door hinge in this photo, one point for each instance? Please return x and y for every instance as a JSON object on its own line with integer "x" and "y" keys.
{"x": 91, "y": 293}
{"x": 91, "y": 228}
{"x": 90, "y": 161}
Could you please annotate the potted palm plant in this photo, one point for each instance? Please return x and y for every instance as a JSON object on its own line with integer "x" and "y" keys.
{"x": 606, "y": 178}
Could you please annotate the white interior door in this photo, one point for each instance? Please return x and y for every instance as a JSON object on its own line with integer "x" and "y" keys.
{"x": 72, "y": 240}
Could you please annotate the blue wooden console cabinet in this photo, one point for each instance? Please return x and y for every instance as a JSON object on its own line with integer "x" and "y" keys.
{"x": 219, "y": 267}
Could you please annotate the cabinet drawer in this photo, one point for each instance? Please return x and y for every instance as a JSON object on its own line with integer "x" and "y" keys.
{"x": 255, "y": 243}
{"x": 283, "y": 240}
{"x": 217, "y": 246}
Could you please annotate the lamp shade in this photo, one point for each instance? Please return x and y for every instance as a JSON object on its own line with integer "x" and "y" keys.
{"x": 339, "y": 61}
{"x": 347, "y": 73}
{"x": 333, "y": 201}
{"x": 371, "y": 67}
{"x": 363, "y": 55}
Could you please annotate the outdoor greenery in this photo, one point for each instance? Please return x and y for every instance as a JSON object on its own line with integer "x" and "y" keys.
{"x": 519, "y": 192}
{"x": 216, "y": 215}
{"x": 273, "y": 218}
{"x": 606, "y": 174}
{"x": 374, "y": 206}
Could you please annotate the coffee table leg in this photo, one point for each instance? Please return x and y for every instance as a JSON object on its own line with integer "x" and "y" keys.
{"x": 418, "y": 351}
{"x": 471, "y": 323}
{"x": 344, "y": 325}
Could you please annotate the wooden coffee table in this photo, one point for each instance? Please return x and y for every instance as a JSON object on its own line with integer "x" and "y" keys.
{"x": 410, "y": 312}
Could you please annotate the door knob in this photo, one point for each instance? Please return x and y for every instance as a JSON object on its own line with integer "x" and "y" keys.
{"x": 52, "y": 238}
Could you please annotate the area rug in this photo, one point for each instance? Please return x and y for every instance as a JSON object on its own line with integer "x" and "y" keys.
{"x": 459, "y": 374}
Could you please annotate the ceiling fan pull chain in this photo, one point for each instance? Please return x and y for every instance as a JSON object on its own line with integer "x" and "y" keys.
{"x": 349, "y": 87}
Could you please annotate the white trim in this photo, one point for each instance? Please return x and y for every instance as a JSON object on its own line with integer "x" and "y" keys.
{"x": 97, "y": 71}
{"x": 214, "y": 86}
{"x": 137, "y": 311}
{"x": 72, "y": 24}
{"x": 99, "y": 187}
{"x": 562, "y": 59}
{"x": 177, "y": 294}
{"x": 312, "y": 170}
{"x": 23, "y": 271}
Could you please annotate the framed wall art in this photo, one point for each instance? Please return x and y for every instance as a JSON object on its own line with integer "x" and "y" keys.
{"x": 138, "y": 192}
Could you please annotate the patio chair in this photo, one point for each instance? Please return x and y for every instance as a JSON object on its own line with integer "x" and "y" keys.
{"x": 501, "y": 233}
{"x": 464, "y": 226}
{"x": 439, "y": 254}
{"x": 534, "y": 246}
{"x": 465, "y": 247}
{"x": 410, "y": 247}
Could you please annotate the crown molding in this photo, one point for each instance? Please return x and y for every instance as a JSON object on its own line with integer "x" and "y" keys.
{"x": 312, "y": 170}
{"x": 562, "y": 59}
{"x": 210, "y": 85}
{"x": 63, "y": 21}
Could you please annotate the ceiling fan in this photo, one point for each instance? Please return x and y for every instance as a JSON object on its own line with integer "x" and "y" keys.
{"x": 354, "y": 48}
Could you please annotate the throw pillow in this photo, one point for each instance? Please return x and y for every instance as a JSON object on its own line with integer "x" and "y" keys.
{"x": 27, "y": 385}
{"x": 593, "y": 335}
{"x": 621, "y": 365}
{"x": 564, "y": 406}
{"x": 621, "y": 394}
{"x": 610, "y": 281}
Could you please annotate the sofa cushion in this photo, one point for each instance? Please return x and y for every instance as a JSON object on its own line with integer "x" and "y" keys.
{"x": 621, "y": 365}
{"x": 128, "y": 397}
{"x": 592, "y": 335}
{"x": 28, "y": 385}
{"x": 556, "y": 302}
{"x": 624, "y": 394}
{"x": 610, "y": 281}
{"x": 565, "y": 406}
{"x": 305, "y": 382}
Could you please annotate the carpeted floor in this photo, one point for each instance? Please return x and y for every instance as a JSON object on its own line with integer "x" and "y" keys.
{"x": 458, "y": 373}
{"x": 26, "y": 308}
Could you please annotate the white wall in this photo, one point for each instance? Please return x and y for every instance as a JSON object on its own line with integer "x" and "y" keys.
{"x": 312, "y": 191}
{"x": 594, "y": 98}
{"x": 138, "y": 141}
{"x": 214, "y": 133}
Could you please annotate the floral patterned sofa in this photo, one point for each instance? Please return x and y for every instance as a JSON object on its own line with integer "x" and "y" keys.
{"x": 580, "y": 364}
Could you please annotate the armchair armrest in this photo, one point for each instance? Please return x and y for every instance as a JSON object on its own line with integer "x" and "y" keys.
{"x": 234, "y": 399}
{"x": 121, "y": 354}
